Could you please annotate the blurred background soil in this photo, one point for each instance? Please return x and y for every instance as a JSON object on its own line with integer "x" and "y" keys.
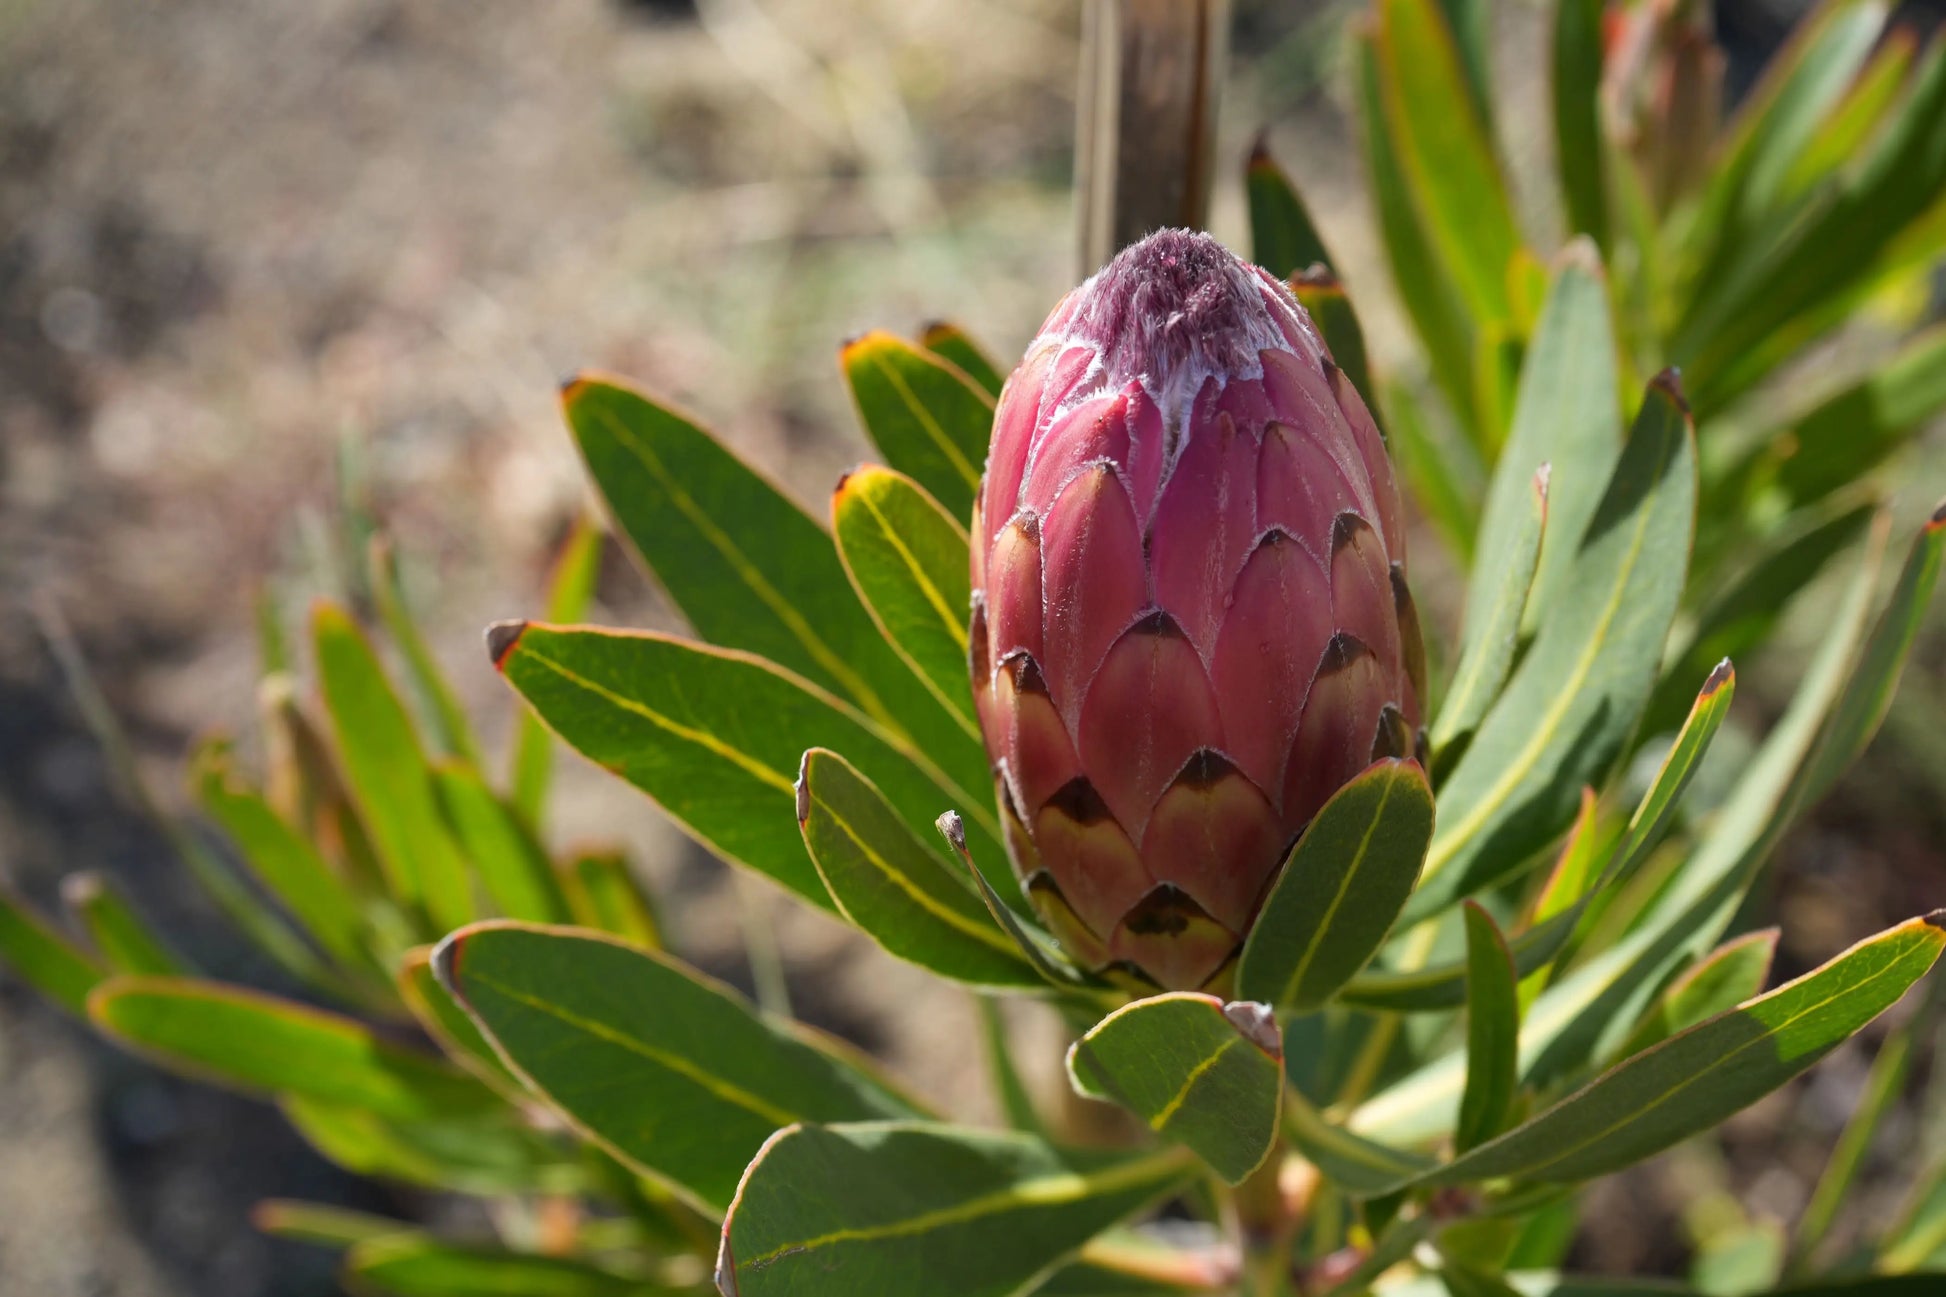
{"x": 264, "y": 266}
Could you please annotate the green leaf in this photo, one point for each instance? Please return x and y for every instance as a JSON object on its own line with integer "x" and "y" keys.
{"x": 929, "y": 420}
{"x": 1442, "y": 476}
{"x": 889, "y": 882}
{"x": 1496, "y": 599}
{"x": 1442, "y": 986}
{"x": 111, "y": 923}
{"x": 450, "y": 727}
{"x": 1283, "y": 238}
{"x": 1729, "y": 975}
{"x": 1446, "y": 152}
{"x": 1882, "y": 1089}
{"x": 1567, "y": 415}
{"x": 1320, "y": 293}
{"x": 483, "y": 1154}
{"x": 511, "y": 865}
{"x": 570, "y": 589}
{"x": 1363, "y": 1167}
{"x": 747, "y": 566}
{"x": 1431, "y": 299}
{"x": 1742, "y": 614}
{"x": 907, "y": 559}
{"x": 1847, "y": 131}
{"x": 1340, "y": 890}
{"x": 675, "y": 1075}
{"x": 1698, "y": 1078}
{"x": 1465, "y": 1281}
{"x": 715, "y": 736}
{"x": 1194, "y": 1069}
{"x": 1918, "y": 1237}
{"x": 1857, "y": 427}
{"x": 1471, "y": 22}
{"x": 321, "y": 1223}
{"x": 44, "y": 959}
{"x": 282, "y": 859}
{"x": 387, "y": 771}
{"x": 447, "y": 1023}
{"x": 1578, "y": 145}
{"x": 1574, "y": 700}
{"x": 953, "y": 345}
{"x": 1492, "y": 1033}
{"x": 1868, "y": 696}
{"x": 908, "y": 1208}
{"x": 604, "y": 894}
{"x": 1034, "y": 944}
{"x": 1008, "y": 1086}
{"x": 412, "y": 1265}
{"x": 251, "y": 1041}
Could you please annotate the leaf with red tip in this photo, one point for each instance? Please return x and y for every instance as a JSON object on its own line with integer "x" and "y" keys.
{"x": 927, "y": 417}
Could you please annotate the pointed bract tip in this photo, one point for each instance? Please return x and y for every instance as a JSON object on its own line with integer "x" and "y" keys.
{"x": 1669, "y": 381}
{"x": 954, "y": 830}
{"x": 1722, "y": 675}
{"x": 501, "y": 638}
{"x": 803, "y": 789}
{"x": 1256, "y": 1023}
{"x": 1938, "y": 517}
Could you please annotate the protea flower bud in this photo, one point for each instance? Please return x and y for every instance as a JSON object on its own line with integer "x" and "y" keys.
{"x": 1190, "y": 618}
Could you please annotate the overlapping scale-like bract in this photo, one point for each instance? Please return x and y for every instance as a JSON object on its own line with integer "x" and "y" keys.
{"x": 1190, "y": 618}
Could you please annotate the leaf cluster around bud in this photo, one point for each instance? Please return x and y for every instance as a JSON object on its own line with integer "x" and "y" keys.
{"x": 1473, "y": 986}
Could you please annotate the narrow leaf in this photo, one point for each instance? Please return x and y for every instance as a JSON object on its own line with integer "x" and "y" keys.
{"x": 604, "y": 894}
{"x": 1882, "y": 1089}
{"x": 321, "y": 1223}
{"x": 570, "y": 589}
{"x": 451, "y": 729}
{"x": 1340, "y": 890}
{"x": 44, "y": 959}
{"x": 253, "y": 1041}
{"x": 1283, "y": 238}
{"x": 1194, "y": 1069}
{"x": 442, "y": 1018}
{"x": 1363, "y": 1167}
{"x": 907, "y": 559}
{"x": 1493, "y": 617}
{"x": 952, "y": 344}
{"x": 889, "y": 882}
{"x": 487, "y": 1153}
{"x": 909, "y": 1208}
{"x": 929, "y": 420}
{"x": 1320, "y": 293}
{"x": 388, "y": 774}
{"x": 1732, "y": 973}
{"x": 1573, "y": 702}
{"x": 508, "y": 861}
{"x": 1578, "y": 146}
{"x": 413, "y": 1265}
{"x": 1492, "y": 1033}
{"x": 675, "y": 1075}
{"x": 1702, "y": 1076}
{"x": 748, "y": 567}
{"x": 714, "y": 736}
{"x": 1008, "y": 1086}
{"x": 111, "y": 923}
{"x": 1442, "y": 475}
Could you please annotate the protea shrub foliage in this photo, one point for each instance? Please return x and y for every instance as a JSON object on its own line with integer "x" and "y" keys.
{"x": 1107, "y": 689}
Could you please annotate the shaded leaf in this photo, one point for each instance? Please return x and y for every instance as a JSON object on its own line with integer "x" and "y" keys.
{"x": 1320, "y": 293}
{"x": 44, "y": 959}
{"x": 486, "y": 1153}
{"x": 1882, "y": 1089}
{"x": 1701, "y": 1076}
{"x": 604, "y": 893}
{"x": 1732, "y": 973}
{"x": 441, "y": 1017}
{"x": 1492, "y": 1033}
{"x": 388, "y": 775}
{"x": 1194, "y": 1069}
{"x": 952, "y": 344}
{"x": 410, "y": 1264}
{"x": 1575, "y": 698}
{"x": 673, "y": 1074}
{"x": 1493, "y": 616}
{"x": 321, "y": 1223}
{"x": 1578, "y": 146}
{"x": 1283, "y": 238}
{"x": 451, "y": 729}
{"x": 1340, "y": 890}
{"x": 1008, "y": 1086}
{"x": 907, "y": 559}
{"x": 889, "y": 882}
{"x": 517, "y": 874}
{"x": 713, "y": 735}
{"x": 907, "y": 1208}
{"x": 929, "y": 420}
{"x": 1361, "y": 1166}
{"x": 117, "y": 932}
{"x": 1442, "y": 476}
{"x": 251, "y": 1041}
